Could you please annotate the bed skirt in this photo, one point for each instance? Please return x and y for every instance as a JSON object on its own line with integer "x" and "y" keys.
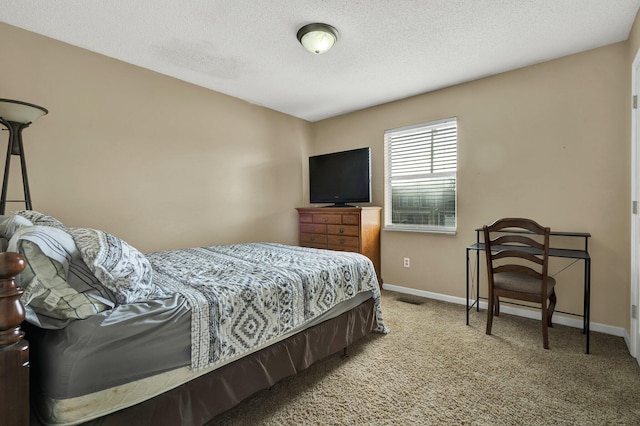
{"x": 203, "y": 398}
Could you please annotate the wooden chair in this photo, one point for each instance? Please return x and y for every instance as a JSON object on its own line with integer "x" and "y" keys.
{"x": 517, "y": 266}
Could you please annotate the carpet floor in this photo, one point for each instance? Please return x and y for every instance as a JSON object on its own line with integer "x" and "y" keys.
{"x": 432, "y": 369}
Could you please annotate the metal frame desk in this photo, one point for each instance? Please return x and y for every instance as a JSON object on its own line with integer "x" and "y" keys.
{"x": 553, "y": 252}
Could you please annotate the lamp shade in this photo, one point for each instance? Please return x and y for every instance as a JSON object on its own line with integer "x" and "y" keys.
{"x": 20, "y": 112}
{"x": 317, "y": 38}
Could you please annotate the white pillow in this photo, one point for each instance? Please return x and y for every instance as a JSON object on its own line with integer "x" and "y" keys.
{"x": 120, "y": 267}
{"x": 10, "y": 224}
{"x": 56, "y": 282}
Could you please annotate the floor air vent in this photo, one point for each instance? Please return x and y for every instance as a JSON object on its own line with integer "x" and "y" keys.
{"x": 410, "y": 301}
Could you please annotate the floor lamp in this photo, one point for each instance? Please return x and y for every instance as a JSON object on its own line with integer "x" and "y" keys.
{"x": 15, "y": 116}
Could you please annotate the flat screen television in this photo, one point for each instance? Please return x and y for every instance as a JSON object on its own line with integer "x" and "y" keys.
{"x": 340, "y": 177}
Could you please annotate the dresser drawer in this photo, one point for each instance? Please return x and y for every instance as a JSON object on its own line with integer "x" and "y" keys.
{"x": 313, "y": 228}
{"x": 350, "y": 219}
{"x": 313, "y": 239}
{"x": 327, "y": 218}
{"x": 338, "y": 241}
{"x": 305, "y": 217}
{"x": 348, "y": 230}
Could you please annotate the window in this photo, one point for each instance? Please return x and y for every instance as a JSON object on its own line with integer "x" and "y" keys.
{"x": 420, "y": 177}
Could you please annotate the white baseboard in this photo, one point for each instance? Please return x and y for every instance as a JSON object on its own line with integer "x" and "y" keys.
{"x": 558, "y": 318}
{"x": 627, "y": 340}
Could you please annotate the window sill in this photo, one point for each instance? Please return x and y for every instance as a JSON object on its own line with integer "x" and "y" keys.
{"x": 419, "y": 229}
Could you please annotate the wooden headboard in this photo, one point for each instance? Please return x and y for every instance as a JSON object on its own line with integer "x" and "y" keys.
{"x": 14, "y": 350}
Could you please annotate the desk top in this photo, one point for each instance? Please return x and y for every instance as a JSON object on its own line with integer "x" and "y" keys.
{"x": 558, "y": 233}
{"x": 553, "y": 252}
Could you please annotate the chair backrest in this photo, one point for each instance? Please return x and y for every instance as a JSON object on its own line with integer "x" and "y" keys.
{"x": 512, "y": 248}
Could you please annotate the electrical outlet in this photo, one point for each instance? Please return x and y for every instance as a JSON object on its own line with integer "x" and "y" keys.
{"x": 407, "y": 262}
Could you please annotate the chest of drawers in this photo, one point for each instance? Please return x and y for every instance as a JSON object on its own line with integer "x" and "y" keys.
{"x": 355, "y": 229}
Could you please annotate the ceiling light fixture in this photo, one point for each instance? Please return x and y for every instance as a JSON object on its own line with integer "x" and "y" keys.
{"x": 317, "y": 38}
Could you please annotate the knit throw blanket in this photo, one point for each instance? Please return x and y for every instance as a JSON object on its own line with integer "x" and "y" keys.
{"x": 246, "y": 296}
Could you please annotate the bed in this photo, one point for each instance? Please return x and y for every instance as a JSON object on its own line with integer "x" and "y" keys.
{"x": 177, "y": 336}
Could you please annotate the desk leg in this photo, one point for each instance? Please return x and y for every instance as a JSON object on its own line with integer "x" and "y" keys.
{"x": 587, "y": 300}
{"x": 467, "y": 305}
{"x": 477, "y": 280}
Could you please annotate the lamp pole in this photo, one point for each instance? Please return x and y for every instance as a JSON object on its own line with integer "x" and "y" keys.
{"x": 15, "y": 147}
{"x": 16, "y": 116}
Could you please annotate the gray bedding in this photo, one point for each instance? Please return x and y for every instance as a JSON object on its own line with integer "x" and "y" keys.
{"x": 127, "y": 343}
{"x": 113, "y": 347}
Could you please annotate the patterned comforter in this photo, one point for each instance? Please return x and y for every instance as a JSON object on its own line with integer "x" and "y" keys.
{"x": 246, "y": 296}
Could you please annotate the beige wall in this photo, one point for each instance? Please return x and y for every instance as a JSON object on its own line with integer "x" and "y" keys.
{"x": 547, "y": 142}
{"x": 156, "y": 161}
{"x": 165, "y": 164}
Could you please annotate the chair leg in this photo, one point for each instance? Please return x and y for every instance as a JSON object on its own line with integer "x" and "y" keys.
{"x": 490, "y": 315}
{"x": 552, "y": 307}
{"x": 545, "y": 324}
{"x": 497, "y": 305}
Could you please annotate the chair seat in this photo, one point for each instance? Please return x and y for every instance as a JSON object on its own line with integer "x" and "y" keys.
{"x": 521, "y": 283}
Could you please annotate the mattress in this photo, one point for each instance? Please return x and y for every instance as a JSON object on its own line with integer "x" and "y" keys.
{"x": 67, "y": 402}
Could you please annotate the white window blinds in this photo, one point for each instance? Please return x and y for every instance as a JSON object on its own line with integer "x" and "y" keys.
{"x": 420, "y": 177}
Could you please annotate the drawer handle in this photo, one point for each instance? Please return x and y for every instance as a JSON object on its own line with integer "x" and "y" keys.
{"x": 312, "y": 239}
{"x": 326, "y": 219}
{"x": 341, "y": 240}
{"x": 342, "y": 230}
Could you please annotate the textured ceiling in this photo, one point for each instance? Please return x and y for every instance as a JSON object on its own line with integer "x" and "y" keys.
{"x": 387, "y": 49}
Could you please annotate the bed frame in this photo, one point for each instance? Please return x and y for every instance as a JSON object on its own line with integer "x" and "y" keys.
{"x": 14, "y": 350}
{"x": 194, "y": 403}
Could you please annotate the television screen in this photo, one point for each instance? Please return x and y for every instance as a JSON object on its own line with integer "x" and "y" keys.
{"x": 340, "y": 177}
